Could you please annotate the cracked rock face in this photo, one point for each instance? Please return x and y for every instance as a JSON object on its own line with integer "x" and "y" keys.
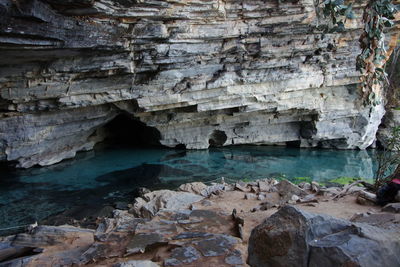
{"x": 203, "y": 73}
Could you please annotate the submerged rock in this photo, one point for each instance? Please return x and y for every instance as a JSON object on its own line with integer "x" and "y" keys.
{"x": 292, "y": 237}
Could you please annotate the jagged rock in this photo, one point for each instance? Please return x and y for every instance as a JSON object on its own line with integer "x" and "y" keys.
{"x": 213, "y": 189}
{"x": 196, "y": 188}
{"x": 141, "y": 191}
{"x": 287, "y": 189}
{"x": 218, "y": 246}
{"x": 240, "y": 186}
{"x": 330, "y": 191}
{"x": 384, "y": 220}
{"x": 199, "y": 72}
{"x": 304, "y": 186}
{"x": 295, "y": 198}
{"x": 292, "y": 237}
{"x": 206, "y": 203}
{"x": 391, "y": 120}
{"x": 122, "y": 221}
{"x": 365, "y": 202}
{"x": 141, "y": 241}
{"x": 51, "y": 235}
{"x": 183, "y": 255}
{"x": 315, "y": 187}
{"x": 163, "y": 199}
{"x": 250, "y": 196}
{"x": 261, "y": 197}
{"x": 136, "y": 263}
{"x": 392, "y": 207}
{"x": 8, "y": 251}
{"x": 267, "y": 205}
{"x": 235, "y": 258}
{"x": 308, "y": 199}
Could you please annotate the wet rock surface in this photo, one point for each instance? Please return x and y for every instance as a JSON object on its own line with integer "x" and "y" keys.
{"x": 200, "y": 73}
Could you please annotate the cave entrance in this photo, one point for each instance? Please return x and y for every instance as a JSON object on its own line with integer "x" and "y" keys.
{"x": 125, "y": 129}
{"x": 217, "y": 138}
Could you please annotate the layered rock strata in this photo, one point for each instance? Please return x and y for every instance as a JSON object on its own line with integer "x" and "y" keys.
{"x": 200, "y": 72}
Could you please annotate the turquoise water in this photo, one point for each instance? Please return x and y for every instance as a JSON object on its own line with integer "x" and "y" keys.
{"x": 110, "y": 174}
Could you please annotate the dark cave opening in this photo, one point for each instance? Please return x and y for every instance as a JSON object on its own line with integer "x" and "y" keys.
{"x": 125, "y": 129}
{"x": 217, "y": 138}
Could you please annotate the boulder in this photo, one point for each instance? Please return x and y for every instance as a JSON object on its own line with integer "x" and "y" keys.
{"x": 250, "y": 196}
{"x": 287, "y": 189}
{"x": 240, "y": 186}
{"x": 196, "y": 188}
{"x": 392, "y": 207}
{"x": 264, "y": 186}
{"x": 292, "y": 237}
{"x": 152, "y": 202}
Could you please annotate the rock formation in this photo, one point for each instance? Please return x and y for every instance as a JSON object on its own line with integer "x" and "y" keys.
{"x": 202, "y": 73}
{"x": 292, "y": 237}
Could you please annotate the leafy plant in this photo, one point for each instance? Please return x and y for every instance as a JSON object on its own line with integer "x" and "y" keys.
{"x": 343, "y": 180}
{"x": 377, "y": 15}
{"x": 338, "y": 12}
{"x": 388, "y": 159}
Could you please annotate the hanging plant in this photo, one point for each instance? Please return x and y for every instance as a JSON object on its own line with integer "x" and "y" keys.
{"x": 377, "y": 16}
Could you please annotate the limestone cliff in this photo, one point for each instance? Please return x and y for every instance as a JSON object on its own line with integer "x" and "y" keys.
{"x": 202, "y": 72}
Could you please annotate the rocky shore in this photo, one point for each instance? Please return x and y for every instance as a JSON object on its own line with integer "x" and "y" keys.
{"x": 260, "y": 223}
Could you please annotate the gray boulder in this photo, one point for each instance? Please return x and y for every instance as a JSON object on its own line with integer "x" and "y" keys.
{"x": 392, "y": 207}
{"x": 292, "y": 237}
{"x": 152, "y": 202}
{"x": 287, "y": 189}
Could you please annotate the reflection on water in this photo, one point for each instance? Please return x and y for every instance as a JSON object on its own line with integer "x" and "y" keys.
{"x": 111, "y": 174}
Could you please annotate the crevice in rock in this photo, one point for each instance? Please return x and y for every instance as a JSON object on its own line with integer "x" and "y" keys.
{"x": 180, "y": 147}
{"x": 294, "y": 144}
{"x": 125, "y": 129}
{"x": 217, "y": 138}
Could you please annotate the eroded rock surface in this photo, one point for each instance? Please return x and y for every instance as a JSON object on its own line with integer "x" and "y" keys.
{"x": 213, "y": 232}
{"x": 292, "y": 237}
{"x": 201, "y": 72}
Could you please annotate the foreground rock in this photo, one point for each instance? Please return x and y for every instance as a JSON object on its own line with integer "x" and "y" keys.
{"x": 208, "y": 226}
{"x": 199, "y": 73}
{"x": 152, "y": 202}
{"x": 292, "y": 237}
{"x": 392, "y": 207}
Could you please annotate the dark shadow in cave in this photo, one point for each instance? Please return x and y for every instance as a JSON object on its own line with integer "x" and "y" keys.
{"x": 125, "y": 129}
{"x": 217, "y": 138}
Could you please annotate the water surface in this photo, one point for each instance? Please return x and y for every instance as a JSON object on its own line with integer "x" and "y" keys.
{"x": 110, "y": 174}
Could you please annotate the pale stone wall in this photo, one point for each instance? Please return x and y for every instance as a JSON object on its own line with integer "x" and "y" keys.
{"x": 259, "y": 71}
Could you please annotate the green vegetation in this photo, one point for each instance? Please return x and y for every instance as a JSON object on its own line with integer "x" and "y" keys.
{"x": 389, "y": 159}
{"x": 345, "y": 180}
{"x": 377, "y": 16}
{"x": 297, "y": 180}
